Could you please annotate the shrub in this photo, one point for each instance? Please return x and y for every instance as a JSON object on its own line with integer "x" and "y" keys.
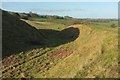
{"x": 113, "y": 25}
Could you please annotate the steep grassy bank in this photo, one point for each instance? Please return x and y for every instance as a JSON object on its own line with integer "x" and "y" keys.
{"x": 18, "y": 35}
{"x": 94, "y": 54}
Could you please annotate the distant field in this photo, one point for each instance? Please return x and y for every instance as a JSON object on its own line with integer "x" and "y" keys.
{"x": 66, "y": 22}
{"x": 93, "y": 54}
{"x": 103, "y": 24}
{"x": 70, "y": 21}
{"x": 47, "y": 25}
{"x": 62, "y": 21}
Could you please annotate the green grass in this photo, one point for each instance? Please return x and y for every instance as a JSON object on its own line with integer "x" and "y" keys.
{"x": 47, "y": 25}
{"x": 38, "y": 19}
{"x": 103, "y": 24}
{"x": 59, "y": 21}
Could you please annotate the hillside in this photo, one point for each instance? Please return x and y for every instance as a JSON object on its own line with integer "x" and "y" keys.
{"x": 92, "y": 55}
{"x": 18, "y": 35}
{"x": 63, "y": 50}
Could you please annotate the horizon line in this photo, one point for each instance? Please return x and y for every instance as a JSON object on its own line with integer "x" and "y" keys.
{"x": 62, "y": 16}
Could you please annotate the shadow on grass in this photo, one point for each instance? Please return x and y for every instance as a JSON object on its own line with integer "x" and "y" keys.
{"x": 56, "y": 38}
{"x": 18, "y": 36}
{"x": 53, "y": 38}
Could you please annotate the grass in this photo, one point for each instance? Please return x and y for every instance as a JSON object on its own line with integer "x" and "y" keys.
{"x": 103, "y": 24}
{"x": 46, "y": 25}
{"x": 66, "y": 22}
{"x": 92, "y": 55}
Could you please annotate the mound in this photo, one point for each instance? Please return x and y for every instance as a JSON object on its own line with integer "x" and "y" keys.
{"x": 18, "y": 35}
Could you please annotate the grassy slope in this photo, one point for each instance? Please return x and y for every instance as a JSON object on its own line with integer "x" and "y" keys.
{"x": 93, "y": 54}
{"x": 17, "y": 35}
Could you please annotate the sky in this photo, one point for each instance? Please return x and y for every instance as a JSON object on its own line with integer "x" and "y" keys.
{"x": 73, "y": 9}
{"x": 59, "y": 0}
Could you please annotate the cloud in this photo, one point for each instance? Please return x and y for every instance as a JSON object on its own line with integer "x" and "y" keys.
{"x": 48, "y": 10}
